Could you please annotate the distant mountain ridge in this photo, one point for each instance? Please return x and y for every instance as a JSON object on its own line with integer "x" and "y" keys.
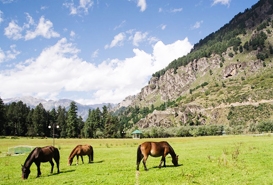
{"x": 50, "y": 104}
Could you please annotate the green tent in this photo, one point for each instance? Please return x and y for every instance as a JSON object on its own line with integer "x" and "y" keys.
{"x": 136, "y": 134}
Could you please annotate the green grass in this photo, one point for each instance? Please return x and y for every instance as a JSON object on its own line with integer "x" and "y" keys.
{"x": 203, "y": 160}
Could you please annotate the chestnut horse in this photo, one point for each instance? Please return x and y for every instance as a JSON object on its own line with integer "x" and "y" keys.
{"x": 155, "y": 149}
{"x": 81, "y": 150}
{"x": 38, "y": 155}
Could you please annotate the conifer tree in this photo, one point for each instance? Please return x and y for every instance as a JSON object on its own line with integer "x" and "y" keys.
{"x": 72, "y": 120}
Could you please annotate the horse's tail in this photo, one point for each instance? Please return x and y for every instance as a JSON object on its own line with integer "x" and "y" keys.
{"x": 92, "y": 153}
{"x": 139, "y": 155}
{"x": 57, "y": 155}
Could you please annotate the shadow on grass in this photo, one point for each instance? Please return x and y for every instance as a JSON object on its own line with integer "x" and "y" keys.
{"x": 88, "y": 163}
{"x": 63, "y": 171}
{"x": 98, "y": 161}
{"x": 167, "y": 166}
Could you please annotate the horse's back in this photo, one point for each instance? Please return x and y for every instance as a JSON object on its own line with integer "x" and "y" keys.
{"x": 44, "y": 154}
{"x": 83, "y": 149}
{"x": 155, "y": 149}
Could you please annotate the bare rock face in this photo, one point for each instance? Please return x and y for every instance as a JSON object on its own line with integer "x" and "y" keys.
{"x": 234, "y": 69}
{"x": 157, "y": 119}
{"x": 171, "y": 85}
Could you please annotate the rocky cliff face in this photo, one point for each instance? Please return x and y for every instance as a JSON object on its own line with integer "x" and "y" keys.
{"x": 172, "y": 85}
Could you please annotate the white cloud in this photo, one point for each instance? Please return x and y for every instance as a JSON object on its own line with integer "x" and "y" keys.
{"x": 1, "y": 17}
{"x": 13, "y": 31}
{"x": 139, "y": 37}
{"x": 95, "y": 54}
{"x": 9, "y": 54}
{"x": 58, "y": 69}
{"x": 197, "y": 25}
{"x": 44, "y": 29}
{"x": 72, "y": 34}
{"x": 84, "y": 6}
{"x": 163, "y": 26}
{"x": 120, "y": 25}
{"x": 29, "y": 23}
{"x": 142, "y": 4}
{"x": 177, "y": 10}
{"x": 224, "y": 2}
{"x": 118, "y": 41}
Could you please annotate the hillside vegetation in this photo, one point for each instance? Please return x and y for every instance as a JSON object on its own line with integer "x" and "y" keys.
{"x": 222, "y": 86}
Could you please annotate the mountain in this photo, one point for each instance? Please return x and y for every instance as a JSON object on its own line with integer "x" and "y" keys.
{"x": 225, "y": 80}
{"x": 50, "y": 104}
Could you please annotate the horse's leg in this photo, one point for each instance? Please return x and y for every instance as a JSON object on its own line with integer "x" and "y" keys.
{"x": 52, "y": 165}
{"x": 89, "y": 157}
{"x": 163, "y": 160}
{"x": 82, "y": 159}
{"x": 38, "y": 168}
{"x": 144, "y": 161}
{"x": 58, "y": 164}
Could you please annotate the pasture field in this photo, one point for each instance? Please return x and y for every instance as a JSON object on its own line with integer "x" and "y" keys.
{"x": 203, "y": 160}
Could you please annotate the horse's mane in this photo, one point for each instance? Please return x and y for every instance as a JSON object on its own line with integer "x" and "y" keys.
{"x": 72, "y": 152}
{"x": 30, "y": 155}
{"x": 172, "y": 152}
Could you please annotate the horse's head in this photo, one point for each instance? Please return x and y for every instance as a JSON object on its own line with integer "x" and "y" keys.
{"x": 175, "y": 160}
{"x": 70, "y": 160}
{"x": 25, "y": 172}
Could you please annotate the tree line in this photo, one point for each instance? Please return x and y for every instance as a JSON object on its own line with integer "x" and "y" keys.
{"x": 18, "y": 119}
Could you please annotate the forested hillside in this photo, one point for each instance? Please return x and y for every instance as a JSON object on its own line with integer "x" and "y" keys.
{"x": 222, "y": 86}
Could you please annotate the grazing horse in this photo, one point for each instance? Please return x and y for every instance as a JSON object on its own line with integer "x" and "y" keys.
{"x": 38, "y": 155}
{"x": 155, "y": 149}
{"x": 81, "y": 150}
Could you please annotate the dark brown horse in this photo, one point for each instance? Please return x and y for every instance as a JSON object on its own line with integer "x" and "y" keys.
{"x": 155, "y": 149}
{"x": 38, "y": 155}
{"x": 81, "y": 150}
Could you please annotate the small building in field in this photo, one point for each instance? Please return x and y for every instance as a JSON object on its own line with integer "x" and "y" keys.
{"x": 137, "y": 134}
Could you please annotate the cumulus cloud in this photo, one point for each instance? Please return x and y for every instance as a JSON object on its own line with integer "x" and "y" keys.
{"x": 142, "y": 4}
{"x": 44, "y": 28}
{"x": 13, "y": 31}
{"x": 139, "y": 37}
{"x": 223, "y": 2}
{"x": 59, "y": 69}
{"x": 82, "y": 7}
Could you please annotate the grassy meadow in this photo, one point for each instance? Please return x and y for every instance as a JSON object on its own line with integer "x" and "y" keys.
{"x": 203, "y": 160}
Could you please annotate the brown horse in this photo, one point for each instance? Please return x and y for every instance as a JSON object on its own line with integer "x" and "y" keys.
{"x": 81, "y": 150}
{"x": 38, "y": 155}
{"x": 155, "y": 149}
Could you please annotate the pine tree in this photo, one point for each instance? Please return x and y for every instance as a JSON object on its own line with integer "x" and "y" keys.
{"x": 2, "y": 118}
{"x": 72, "y": 120}
{"x": 61, "y": 121}
{"x": 39, "y": 120}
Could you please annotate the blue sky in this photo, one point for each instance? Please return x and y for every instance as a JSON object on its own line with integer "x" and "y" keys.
{"x": 99, "y": 51}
